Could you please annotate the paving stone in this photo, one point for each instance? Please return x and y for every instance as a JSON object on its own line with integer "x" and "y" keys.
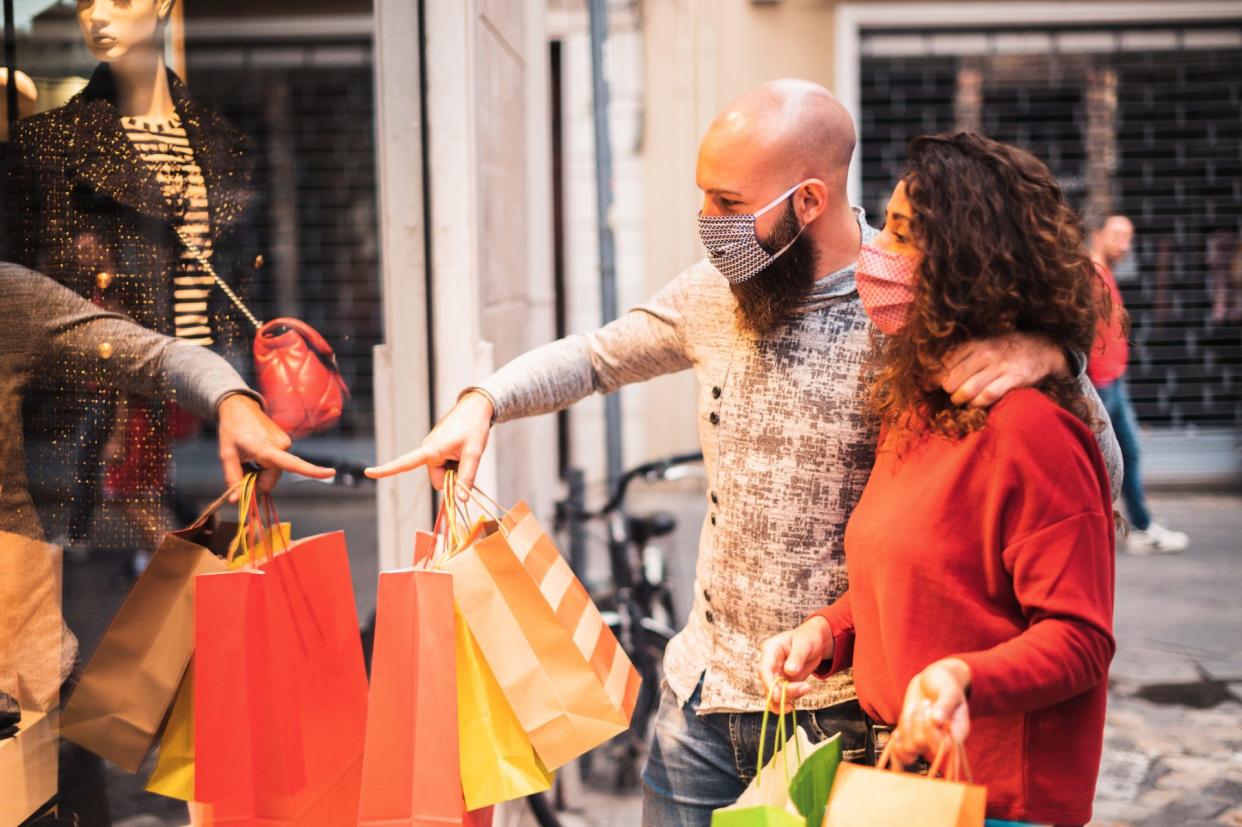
{"x": 1231, "y": 818}
{"x": 1188, "y": 808}
{"x": 1229, "y": 789}
{"x": 1122, "y": 773}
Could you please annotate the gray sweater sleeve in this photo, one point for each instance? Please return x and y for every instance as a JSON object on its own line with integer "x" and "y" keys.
{"x": 1106, "y": 437}
{"x": 83, "y": 342}
{"x": 646, "y": 342}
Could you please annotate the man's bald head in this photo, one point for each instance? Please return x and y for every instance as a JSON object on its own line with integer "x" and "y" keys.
{"x": 792, "y": 137}
{"x": 783, "y": 131}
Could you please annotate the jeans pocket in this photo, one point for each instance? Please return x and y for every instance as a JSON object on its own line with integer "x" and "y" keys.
{"x": 848, "y": 720}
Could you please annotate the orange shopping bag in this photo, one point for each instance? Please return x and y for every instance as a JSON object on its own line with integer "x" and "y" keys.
{"x": 411, "y": 773}
{"x": 567, "y": 679}
{"x": 884, "y": 796}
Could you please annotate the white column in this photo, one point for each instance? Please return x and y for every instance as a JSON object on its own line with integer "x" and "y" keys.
{"x": 402, "y": 411}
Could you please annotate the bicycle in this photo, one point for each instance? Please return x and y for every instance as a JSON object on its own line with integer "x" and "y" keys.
{"x": 638, "y": 603}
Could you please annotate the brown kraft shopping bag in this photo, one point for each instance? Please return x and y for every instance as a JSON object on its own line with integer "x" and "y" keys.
{"x": 130, "y": 682}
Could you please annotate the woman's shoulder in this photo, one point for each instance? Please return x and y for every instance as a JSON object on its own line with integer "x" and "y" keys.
{"x": 1031, "y": 429}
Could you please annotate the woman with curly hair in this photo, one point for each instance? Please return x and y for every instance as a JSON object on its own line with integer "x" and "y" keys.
{"x": 980, "y": 555}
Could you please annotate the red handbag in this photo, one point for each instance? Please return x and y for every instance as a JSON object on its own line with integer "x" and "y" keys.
{"x": 298, "y": 377}
{"x": 296, "y": 369}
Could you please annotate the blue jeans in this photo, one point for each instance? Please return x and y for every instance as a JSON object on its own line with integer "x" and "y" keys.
{"x": 699, "y": 763}
{"x": 1125, "y": 425}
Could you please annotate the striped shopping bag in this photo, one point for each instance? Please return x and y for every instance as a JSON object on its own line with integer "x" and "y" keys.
{"x": 571, "y": 685}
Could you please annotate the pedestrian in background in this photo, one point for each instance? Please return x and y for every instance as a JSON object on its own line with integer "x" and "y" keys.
{"x": 1110, "y": 243}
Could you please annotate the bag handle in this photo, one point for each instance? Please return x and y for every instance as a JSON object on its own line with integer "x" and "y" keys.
{"x": 257, "y": 522}
{"x": 246, "y": 508}
{"x": 949, "y": 762}
{"x": 215, "y": 506}
{"x": 204, "y": 262}
{"x": 781, "y": 737}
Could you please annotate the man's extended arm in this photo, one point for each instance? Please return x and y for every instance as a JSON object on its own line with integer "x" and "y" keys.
{"x": 644, "y": 343}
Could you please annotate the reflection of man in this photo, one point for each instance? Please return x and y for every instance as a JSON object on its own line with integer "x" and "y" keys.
{"x": 773, "y": 329}
{"x": 1110, "y": 242}
{"x": 49, "y": 331}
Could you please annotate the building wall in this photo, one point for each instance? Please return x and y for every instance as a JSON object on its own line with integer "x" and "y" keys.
{"x": 699, "y": 55}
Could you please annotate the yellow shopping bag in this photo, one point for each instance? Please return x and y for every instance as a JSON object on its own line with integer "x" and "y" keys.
{"x": 174, "y": 768}
{"x": 498, "y": 762}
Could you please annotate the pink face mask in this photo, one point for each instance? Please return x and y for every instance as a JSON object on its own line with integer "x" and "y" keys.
{"x": 886, "y": 286}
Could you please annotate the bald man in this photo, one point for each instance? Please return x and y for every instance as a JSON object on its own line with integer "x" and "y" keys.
{"x": 771, "y": 324}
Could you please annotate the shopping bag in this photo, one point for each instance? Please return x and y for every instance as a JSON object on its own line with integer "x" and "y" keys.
{"x": 33, "y": 635}
{"x": 131, "y": 681}
{"x": 411, "y": 772}
{"x": 28, "y": 766}
{"x": 173, "y": 775}
{"x": 498, "y": 762}
{"x": 766, "y": 801}
{"x": 884, "y": 796}
{"x": 811, "y": 784}
{"x": 280, "y": 689}
{"x": 565, "y": 676}
{"x": 574, "y": 608}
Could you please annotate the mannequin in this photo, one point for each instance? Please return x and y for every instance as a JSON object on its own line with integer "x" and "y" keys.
{"x": 102, "y": 195}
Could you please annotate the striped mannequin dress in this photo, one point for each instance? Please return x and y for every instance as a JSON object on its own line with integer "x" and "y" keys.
{"x": 164, "y": 147}
{"x": 149, "y": 426}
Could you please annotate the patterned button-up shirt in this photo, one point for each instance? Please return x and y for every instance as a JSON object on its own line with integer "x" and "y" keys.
{"x": 788, "y": 445}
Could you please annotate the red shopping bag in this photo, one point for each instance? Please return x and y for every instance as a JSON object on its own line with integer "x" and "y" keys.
{"x": 410, "y": 772}
{"x": 280, "y": 690}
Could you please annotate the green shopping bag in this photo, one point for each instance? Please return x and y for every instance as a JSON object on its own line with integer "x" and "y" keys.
{"x": 812, "y": 782}
{"x": 767, "y": 802}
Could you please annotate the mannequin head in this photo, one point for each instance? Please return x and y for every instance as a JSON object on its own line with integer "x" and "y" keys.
{"x": 117, "y": 29}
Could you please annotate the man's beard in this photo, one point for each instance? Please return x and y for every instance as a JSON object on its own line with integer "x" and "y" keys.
{"x": 765, "y": 300}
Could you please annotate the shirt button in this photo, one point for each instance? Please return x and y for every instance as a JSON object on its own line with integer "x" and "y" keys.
{"x": 715, "y": 499}
{"x": 707, "y": 597}
{"x": 713, "y": 519}
{"x": 714, "y": 418}
{"x": 709, "y": 617}
{"x": 103, "y": 280}
{"x": 716, "y": 392}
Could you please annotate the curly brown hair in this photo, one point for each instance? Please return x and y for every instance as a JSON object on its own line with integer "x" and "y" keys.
{"x": 1002, "y": 252}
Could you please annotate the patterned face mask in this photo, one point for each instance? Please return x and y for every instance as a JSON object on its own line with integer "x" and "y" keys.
{"x": 733, "y": 246}
{"x": 886, "y": 286}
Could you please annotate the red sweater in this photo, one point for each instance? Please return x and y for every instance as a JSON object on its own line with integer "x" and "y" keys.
{"x": 1111, "y": 352}
{"x": 996, "y": 548}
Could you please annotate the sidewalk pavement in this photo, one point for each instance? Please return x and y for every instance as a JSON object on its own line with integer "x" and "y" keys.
{"x": 1173, "y": 748}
